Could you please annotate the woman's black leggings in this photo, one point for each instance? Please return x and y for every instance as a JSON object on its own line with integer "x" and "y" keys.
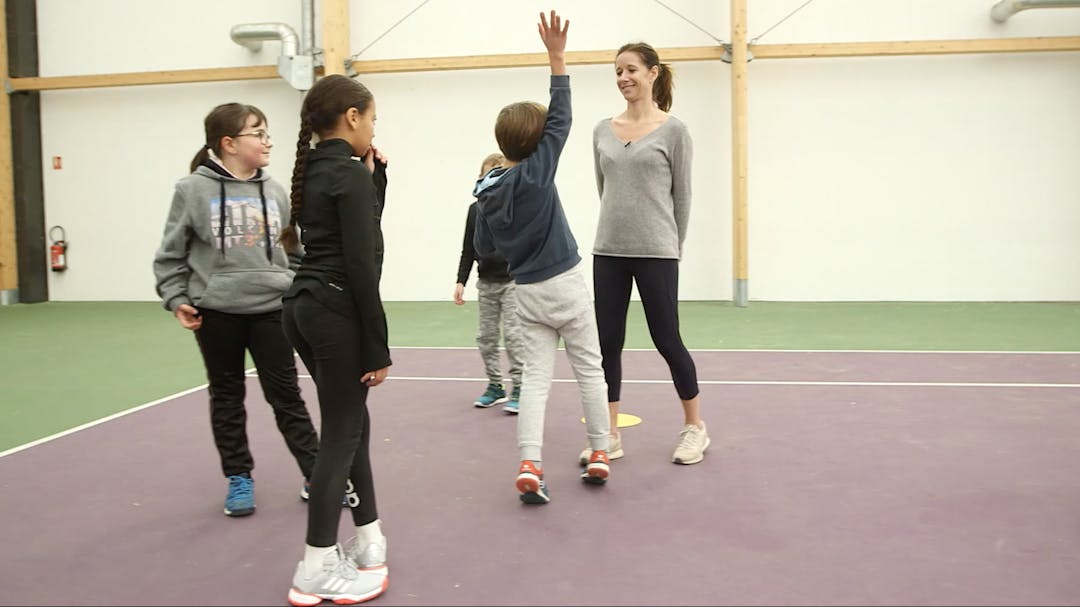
{"x": 658, "y": 284}
{"x": 327, "y": 343}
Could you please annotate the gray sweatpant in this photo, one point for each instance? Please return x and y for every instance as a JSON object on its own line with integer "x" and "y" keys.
{"x": 561, "y": 306}
{"x": 498, "y": 305}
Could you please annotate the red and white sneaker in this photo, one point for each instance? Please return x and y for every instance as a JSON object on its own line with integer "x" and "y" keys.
{"x": 597, "y": 470}
{"x": 530, "y": 483}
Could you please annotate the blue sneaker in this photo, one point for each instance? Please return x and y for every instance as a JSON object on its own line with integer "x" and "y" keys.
{"x": 305, "y": 493}
{"x": 511, "y": 405}
{"x": 494, "y": 395}
{"x": 240, "y": 501}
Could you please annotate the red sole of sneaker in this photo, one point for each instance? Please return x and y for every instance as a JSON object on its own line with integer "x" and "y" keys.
{"x": 528, "y": 485}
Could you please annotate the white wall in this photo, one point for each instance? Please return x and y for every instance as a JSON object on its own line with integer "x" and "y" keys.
{"x": 909, "y": 178}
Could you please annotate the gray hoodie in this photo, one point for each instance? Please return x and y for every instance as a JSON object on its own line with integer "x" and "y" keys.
{"x": 241, "y": 269}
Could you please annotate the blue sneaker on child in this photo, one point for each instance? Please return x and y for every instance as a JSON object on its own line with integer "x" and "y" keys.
{"x": 511, "y": 405}
{"x": 494, "y": 395}
{"x": 240, "y": 500}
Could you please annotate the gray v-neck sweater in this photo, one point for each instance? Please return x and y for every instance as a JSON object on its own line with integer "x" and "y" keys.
{"x": 644, "y": 190}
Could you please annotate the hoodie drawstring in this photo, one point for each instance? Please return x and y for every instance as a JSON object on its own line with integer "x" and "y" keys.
{"x": 221, "y": 221}
{"x": 266, "y": 225}
{"x": 266, "y": 221}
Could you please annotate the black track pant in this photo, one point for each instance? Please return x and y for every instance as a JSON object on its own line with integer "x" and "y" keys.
{"x": 658, "y": 284}
{"x": 223, "y": 340}
{"x": 327, "y": 343}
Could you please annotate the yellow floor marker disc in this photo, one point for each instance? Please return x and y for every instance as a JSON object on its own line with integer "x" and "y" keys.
{"x": 625, "y": 420}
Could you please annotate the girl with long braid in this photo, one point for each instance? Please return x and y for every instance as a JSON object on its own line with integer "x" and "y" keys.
{"x": 333, "y": 316}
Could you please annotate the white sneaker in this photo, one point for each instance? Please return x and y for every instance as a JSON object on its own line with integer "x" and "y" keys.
{"x": 614, "y": 450}
{"x": 338, "y": 581}
{"x": 693, "y": 441}
{"x": 368, "y": 556}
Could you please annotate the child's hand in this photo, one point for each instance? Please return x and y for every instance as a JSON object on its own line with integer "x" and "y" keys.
{"x": 459, "y": 292}
{"x": 374, "y": 378}
{"x": 379, "y": 156}
{"x": 189, "y": 317}
{"x": 554, "y": 37}
{"x": 369, "y": 159}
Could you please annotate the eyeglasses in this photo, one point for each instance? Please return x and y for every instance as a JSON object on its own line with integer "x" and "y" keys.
{"x": 262, "y": 135}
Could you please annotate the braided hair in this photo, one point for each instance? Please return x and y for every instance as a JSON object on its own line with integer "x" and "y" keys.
{"x": 323, "y": 105}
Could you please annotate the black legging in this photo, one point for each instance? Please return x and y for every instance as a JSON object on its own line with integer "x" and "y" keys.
{"x": 327, "y": 343}
{"x": 658, "y": 284}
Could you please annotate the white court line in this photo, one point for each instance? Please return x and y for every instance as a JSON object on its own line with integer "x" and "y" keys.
{"x": 774, "y": 350}
{"x": 251, "y": 372}
{"x": 96, "y": 422}
{"x": 109, "y": 418}
{"x": 764, "y": 382}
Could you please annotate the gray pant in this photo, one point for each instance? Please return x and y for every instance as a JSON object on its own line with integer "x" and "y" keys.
{"x": 498, "y": 303}
{"x": 561, "y": 306}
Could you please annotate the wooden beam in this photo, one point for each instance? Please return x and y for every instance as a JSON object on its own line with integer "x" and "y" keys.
{"x": 472, "y": 62}
{"x": 916, "y": 47}
{"x": 477, "y": 62}
{"x": 335, "y": 22}
{"x": 9, "y": 266}
{"x": 739, "y": 157}
{"x": 48, "y": 83}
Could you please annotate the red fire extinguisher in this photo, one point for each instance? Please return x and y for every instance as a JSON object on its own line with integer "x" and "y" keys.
{"x": 58, "y": 250}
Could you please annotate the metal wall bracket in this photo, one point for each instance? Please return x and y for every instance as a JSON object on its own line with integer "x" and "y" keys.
{"x": 726, "y": 55}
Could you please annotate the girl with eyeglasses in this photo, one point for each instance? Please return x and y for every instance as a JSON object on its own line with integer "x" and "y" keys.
{"x": 221, "y": 271}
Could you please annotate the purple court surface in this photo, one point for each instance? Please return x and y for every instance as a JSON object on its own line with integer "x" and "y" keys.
{"x": 834, "y": 478}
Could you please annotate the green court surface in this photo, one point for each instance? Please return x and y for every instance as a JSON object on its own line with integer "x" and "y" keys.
{"x": 66, "y": 364}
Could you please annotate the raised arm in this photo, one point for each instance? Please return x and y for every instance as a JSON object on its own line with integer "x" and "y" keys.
{"x": 553, "y": 35}
{"x": 543, "y": 162}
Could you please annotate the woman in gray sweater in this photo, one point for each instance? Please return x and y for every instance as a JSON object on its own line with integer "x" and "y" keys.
{"x": 643, "y": 158}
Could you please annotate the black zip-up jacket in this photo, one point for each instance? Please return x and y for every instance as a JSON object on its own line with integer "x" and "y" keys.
{"x": 343, "y": 245}
{"x": 492, "y": 267}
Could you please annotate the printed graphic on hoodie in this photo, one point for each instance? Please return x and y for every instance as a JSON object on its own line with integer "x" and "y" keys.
{"x": 244, "y": 222}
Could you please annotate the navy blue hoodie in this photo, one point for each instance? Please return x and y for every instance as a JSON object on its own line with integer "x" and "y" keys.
{"x": 521, "y": 215}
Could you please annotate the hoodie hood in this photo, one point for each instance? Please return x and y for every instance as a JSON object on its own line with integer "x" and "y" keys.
{"x": 493, "y": 192}
{"x": 217, "y": 167}
{"x": 489, "y": 180}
